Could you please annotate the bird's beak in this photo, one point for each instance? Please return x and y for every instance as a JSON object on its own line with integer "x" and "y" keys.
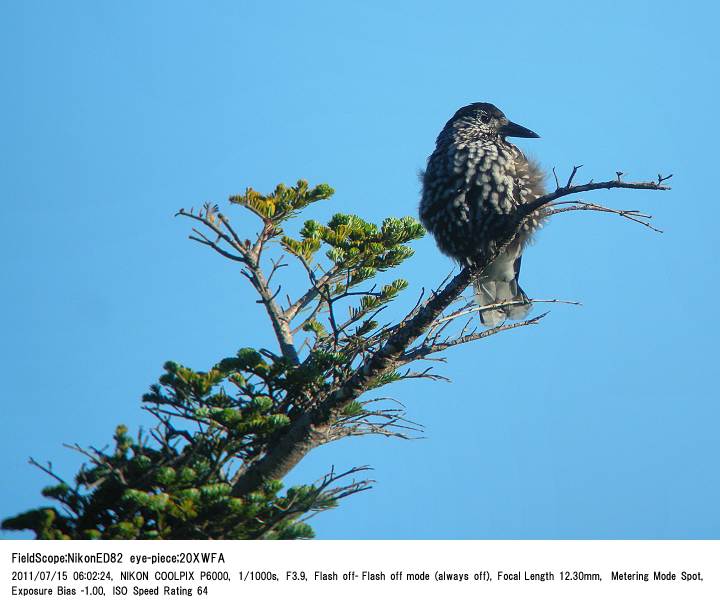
{"x": 515, "y": 130}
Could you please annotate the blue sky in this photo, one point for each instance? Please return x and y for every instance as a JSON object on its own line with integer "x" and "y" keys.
{"x": 600, "y": 423}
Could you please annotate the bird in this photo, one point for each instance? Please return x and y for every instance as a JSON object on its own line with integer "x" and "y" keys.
{"x": 474, "y": 182}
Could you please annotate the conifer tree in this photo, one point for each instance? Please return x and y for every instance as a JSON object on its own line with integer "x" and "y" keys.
{"x": 212, "y": 465}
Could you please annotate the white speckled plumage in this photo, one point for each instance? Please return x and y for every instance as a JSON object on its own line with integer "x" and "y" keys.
{"x": 474, "y": 181}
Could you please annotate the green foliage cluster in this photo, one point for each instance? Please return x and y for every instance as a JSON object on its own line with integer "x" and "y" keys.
{"x": 284, "y": 202}
{"x": 140, "y": 492}
{"x": 178, "y": 481}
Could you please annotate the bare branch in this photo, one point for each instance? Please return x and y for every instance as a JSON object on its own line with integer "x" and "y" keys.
{"x": 425, "y": 374}
{"x": 475, "y": 309}
{"x": 557, "y": 182}
{"x": 632, "y": 215}
{"x": 386, "y": 422}
{"x": 249, "y": 258}
{"x": 423, "y": 350}
{"x": 275, "y": 267}
{"x": 325, "y": 294}
{"x": 205, "y": 241}
{"x": 572, "y": 175}
{"x": 49, "y": 471}
{"x": 528, "y": 208}
{"x": 234, "y": 243}
{"x": 317, "y": 285}
{"x": 238, "y": 242}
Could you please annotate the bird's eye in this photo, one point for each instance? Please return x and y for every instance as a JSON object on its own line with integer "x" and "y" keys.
{"x": 485, "y": 118}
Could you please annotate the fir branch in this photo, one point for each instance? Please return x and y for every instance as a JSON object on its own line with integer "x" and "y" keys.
{"x": 302, "y": 436}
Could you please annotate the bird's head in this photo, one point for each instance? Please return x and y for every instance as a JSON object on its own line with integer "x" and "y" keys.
{"x": 489, "y": 121}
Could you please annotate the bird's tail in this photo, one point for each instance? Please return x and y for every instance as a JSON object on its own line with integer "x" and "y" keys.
{"x": 498, "y": 284}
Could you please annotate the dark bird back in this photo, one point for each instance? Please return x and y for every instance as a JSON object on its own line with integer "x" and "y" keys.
{"x": 474, "y": 182}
